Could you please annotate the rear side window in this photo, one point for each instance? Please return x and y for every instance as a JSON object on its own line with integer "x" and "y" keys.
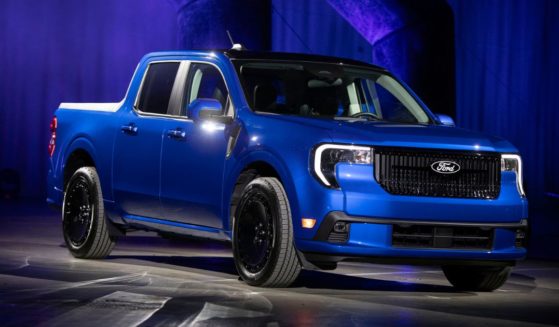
{"x": 157, "y": 87}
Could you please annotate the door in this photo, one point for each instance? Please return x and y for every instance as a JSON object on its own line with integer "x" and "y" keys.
{"x": 137, "y": 149}
{"x": 192, "y": 166}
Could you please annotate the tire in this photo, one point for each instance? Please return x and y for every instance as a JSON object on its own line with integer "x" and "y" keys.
{"x": 243, "y": 180}
{"x": 477, "y": 278}
{"x": 84, "y": 225}
{"x": 263, "y": 247}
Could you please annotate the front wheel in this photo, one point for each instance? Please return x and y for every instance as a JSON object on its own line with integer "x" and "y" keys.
{"x": 263, "y": 235}
{"x": 84, "y": 225}
{"x": 477, "y": 278}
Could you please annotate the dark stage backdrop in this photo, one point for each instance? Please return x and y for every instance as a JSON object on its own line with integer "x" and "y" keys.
{"x": 507, "y": 69}
{"x": 315, "y": 27}
{"x": 67, "y": 50}
{"x": 413, "y": 39}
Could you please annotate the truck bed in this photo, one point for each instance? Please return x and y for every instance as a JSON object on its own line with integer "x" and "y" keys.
{"x": 99, "y": 106}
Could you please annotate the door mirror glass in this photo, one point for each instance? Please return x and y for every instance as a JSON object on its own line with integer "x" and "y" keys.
{"x": 203, "y": 108}
{"x": 446, "y": 120}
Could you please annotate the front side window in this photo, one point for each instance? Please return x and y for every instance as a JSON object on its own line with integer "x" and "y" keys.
{"x": 330, "y": 91}
{"x": 205, "y": 82}
{"x": 157, "y": 87}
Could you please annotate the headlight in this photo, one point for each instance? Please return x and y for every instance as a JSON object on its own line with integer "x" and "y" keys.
{"x": 512, "y": 162}
{"x": 327, "y": 156}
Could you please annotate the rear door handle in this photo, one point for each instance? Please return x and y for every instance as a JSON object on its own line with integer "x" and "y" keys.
{"x": 176, "y": 134}
{"x": 130, "y": 129}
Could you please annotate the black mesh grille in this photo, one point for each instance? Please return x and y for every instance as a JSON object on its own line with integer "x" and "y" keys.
{"x": 408, "y": 172}
{"x": 339, "y": 236}
{"x": 421, "y": 236}
{"x": 334, "y": 237}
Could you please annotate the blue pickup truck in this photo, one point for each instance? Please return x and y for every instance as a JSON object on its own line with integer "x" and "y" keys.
{"x": 300, "y": 161}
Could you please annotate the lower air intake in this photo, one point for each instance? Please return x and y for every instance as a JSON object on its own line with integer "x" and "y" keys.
{"x": 442, "y": 237}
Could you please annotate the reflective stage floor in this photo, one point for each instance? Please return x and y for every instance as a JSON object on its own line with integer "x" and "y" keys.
{"x": 150, "y": 281}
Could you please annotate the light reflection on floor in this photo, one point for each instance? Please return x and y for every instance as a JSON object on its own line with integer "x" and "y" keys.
{"x": 149, "y": 281}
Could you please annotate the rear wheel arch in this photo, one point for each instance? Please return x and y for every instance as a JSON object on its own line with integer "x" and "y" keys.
{"x": 79, "y": 150}
{"x": 78, "y": 158}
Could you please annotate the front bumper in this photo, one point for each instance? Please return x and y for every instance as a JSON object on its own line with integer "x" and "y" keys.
{"x": 371, "y": 239}
{"x": 361, "y": 196}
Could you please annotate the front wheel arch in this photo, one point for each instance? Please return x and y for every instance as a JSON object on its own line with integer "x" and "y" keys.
{"x": 265, "y": 165}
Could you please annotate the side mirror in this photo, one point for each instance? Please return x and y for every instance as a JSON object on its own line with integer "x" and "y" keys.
{"x": 201, "y": 109}
{"x": 446, "y": 120}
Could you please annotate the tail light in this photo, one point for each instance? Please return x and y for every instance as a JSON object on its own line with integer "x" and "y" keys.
{"x": 52, "y": 142}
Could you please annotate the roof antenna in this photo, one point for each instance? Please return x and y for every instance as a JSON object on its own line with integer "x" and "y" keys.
{"x": 235, "y": 46}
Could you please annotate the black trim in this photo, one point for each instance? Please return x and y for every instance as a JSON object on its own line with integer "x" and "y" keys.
{"x": 301, "y": 57}
{"x": 335, "y": 216}
{"x": 233, "y": 138}
{"x": 161, "y": 227}
{"x": 327, "y": 258}
{"x": 404, "y": 171}
{"x": 442, "y": 237}
{"x": 438, "y": 151}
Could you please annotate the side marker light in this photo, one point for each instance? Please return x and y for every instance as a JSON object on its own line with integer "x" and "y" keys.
{"x": 308, "y": 222}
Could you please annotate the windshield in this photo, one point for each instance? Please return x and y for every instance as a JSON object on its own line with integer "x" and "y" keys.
{"x": 324, "y": 90}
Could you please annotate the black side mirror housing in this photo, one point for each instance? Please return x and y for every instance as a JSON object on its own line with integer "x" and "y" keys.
{"x": 205, "y": 109}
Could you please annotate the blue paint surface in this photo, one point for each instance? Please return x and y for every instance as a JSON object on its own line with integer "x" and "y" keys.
{"x": 71, "y": 51}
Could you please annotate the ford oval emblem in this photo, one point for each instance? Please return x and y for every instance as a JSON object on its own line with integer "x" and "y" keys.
{"x": 445, "y": 167}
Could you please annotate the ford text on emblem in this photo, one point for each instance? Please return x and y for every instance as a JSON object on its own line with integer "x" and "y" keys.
{"x": 445, "y": 167}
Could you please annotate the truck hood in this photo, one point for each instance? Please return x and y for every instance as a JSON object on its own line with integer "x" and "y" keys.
{"x": 404, "y": 135}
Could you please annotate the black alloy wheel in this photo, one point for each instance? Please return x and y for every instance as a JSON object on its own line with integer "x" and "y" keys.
{"x": 84, "y": 225}
{"x": 255, "y": 239}
{"x": 263, "y": 235}
{"x": 78, "y": 211}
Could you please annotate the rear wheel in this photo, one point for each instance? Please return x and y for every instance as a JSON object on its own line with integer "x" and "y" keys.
{"x": 84, "y": 225}
{"x": 477, "y": 278}
{"x": 263, "y": 235}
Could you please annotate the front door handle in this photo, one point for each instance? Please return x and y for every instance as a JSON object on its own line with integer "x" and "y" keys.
{"x": 176, "y": 134}
{"x": 130, "y": 129}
